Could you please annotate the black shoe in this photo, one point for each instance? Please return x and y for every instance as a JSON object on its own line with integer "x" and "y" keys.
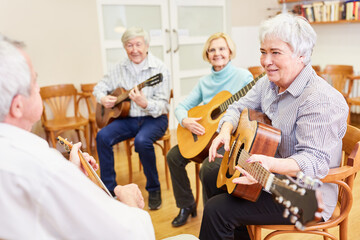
{"x": 154, "y": 200}
{"x": 183, "y": 215}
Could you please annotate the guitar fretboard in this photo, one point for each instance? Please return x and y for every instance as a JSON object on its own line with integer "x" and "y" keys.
{"x": 239, "y": 94}
{"x": 257, "y": 171}
{"x": 149, "y": 82}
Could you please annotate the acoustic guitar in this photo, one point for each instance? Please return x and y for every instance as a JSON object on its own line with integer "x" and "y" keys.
{"x": 254, "y": 135}
{"x": 196, "y": 147}
{"x": 86, "y": 165}
{"x": 122, "y": 105}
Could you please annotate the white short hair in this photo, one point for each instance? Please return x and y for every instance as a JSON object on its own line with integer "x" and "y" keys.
{"x": 15, "y": 76}
{"x": 134, "y": 32}
{"x": 294, "y": 30}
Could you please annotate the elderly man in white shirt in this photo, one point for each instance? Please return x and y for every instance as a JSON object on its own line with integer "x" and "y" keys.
{"x": 147, "y": 120}
{"x": 42, "y": 195}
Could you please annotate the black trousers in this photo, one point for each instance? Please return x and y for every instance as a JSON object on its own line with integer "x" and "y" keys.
{"x": 226, "y": 216}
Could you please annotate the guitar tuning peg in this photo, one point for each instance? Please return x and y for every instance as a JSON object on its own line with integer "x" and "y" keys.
{"x": 286, "y": 181}
{"x": 299, "y": 226}
{"x": 294, "y": 210}
{"x": 287, "y": 203}
{"x": 300, "y": 175}
{"x": 308, "y": 181}
{"x": 279, "y": 199}
{"x": 293, "y": 219}
{"x": 317, "y": 183}
{"x": 301, "y": 191}
{"x": 286, "y": 213}
{"x": 293, "y": 187}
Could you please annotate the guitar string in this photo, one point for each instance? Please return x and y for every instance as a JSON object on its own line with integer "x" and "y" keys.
{"x": 240, "y": 93}
{"x": 256, "y": 170}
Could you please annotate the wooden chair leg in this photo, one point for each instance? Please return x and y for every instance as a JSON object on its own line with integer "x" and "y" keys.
{"x": 53, "y": 139}
{"x": 87, "y": 139}
{"x": 128, "y": 153}
{"x": 165, "y": 151}
{"x": 197, "y": 181}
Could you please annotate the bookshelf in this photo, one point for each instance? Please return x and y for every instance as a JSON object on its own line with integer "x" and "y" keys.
{"x": 326, "y": 12}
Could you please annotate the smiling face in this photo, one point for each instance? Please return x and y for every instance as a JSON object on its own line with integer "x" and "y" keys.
{"x": 218, "y": 53}
{"x": 136, "y": 49}
{"x": 281, "y": 66}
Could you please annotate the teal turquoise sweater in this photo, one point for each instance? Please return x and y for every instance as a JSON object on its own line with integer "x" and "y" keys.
{"x": 230, "y": 78}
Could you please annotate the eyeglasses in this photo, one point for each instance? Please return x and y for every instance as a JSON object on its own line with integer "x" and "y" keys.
{"x": 131, "y": 46}
{"x": 213, "y": 50}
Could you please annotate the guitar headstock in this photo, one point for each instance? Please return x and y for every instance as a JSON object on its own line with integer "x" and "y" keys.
{"x": 154, "y": 80}
{"x": 302, "y": 202}
{"x": 65, "y": 143}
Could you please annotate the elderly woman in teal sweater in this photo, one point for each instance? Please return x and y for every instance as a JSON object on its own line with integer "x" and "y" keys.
{"x": 219, "y": 50}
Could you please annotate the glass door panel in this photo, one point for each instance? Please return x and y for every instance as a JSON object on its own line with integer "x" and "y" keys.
{"x": 116, "y": 18}
{"x": 204, "y": 20}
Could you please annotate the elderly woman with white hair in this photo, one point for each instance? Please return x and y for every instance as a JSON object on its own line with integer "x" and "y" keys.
{"x": 310, "y": 114}
{"x": 147, "y": 120}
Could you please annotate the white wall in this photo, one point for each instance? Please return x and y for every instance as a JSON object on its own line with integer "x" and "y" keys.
{"x": 336, "y": 43}
{"x": 62, "y": 38}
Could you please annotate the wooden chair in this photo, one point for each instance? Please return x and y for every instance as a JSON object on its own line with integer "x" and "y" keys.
{"x": 343, "y": 176}
{"x": 338, "y": 76}
{"x": 86, "y": 94}
{"x": 317, "y": 69}
{"x": 256, "y": 70}
{"x": 163, "y": 143}
{"x": 57, "y": 101}
{"x": 353, "y": 100}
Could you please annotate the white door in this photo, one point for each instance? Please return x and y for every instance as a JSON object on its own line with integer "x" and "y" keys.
{"x": 192, "y": 23}
{"x": 178, "y": 30}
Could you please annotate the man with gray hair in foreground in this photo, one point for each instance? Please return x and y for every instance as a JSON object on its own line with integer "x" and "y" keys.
{"x": 44, "y": 196}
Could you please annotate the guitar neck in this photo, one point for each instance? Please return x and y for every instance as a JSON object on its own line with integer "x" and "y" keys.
{"x": 242, "y": 92}
{"x": 257, "y": 171}
{"x": 86, "y": 165}
{"x": 92, "y": 174}
{"x": 140, "y": 86}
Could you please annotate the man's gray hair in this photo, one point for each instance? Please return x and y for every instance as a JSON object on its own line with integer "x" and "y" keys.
{"x": 15, "y": 76}
{"x": 134, "y": 32}
{"x": 294, "y": 30}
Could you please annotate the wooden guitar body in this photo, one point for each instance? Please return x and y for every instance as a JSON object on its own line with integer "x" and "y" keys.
{"x": 121, "y": 110}
{"x": 254, "y": 136}
{"x": 122, "y": 105}
{"x": 196, "y": 147}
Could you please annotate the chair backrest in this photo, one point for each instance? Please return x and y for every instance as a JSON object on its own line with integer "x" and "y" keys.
{"x": 57, "y": 99}
{"x": 90, "y": 99}
{"x": 337, "y": 75}
{"x": 256, "y": 70}
{"x": 317, "y": 69}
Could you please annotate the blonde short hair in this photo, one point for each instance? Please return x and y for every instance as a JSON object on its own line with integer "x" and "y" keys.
{"x": 228, "y": 40}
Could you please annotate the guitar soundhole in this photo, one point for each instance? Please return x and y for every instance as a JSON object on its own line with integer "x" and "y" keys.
{"x": 238, "y": 154}
{"x": 233, "y": 148}
{"x": 215, "y": 113}
{"x": 195, "y": 137}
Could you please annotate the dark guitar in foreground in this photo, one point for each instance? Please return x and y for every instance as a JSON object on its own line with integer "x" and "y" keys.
{"x": 196, "y": 147}
{"x": 122, "y": 105}
{"x": 253, "y": 137}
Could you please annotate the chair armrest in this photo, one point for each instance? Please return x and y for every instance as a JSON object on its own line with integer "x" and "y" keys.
{"x": 352, "y": 77}
{"x": 339, "y": 173}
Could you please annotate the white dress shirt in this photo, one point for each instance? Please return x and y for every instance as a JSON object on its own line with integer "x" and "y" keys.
{"x": 44, "y": 196}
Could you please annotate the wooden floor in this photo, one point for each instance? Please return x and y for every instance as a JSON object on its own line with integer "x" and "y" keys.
{"x": 162, "y": 218}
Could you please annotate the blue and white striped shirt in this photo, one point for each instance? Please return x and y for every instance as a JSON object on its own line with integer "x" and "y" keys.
{"x": 124, "y": 75}
{"x": 311, "y": 115}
